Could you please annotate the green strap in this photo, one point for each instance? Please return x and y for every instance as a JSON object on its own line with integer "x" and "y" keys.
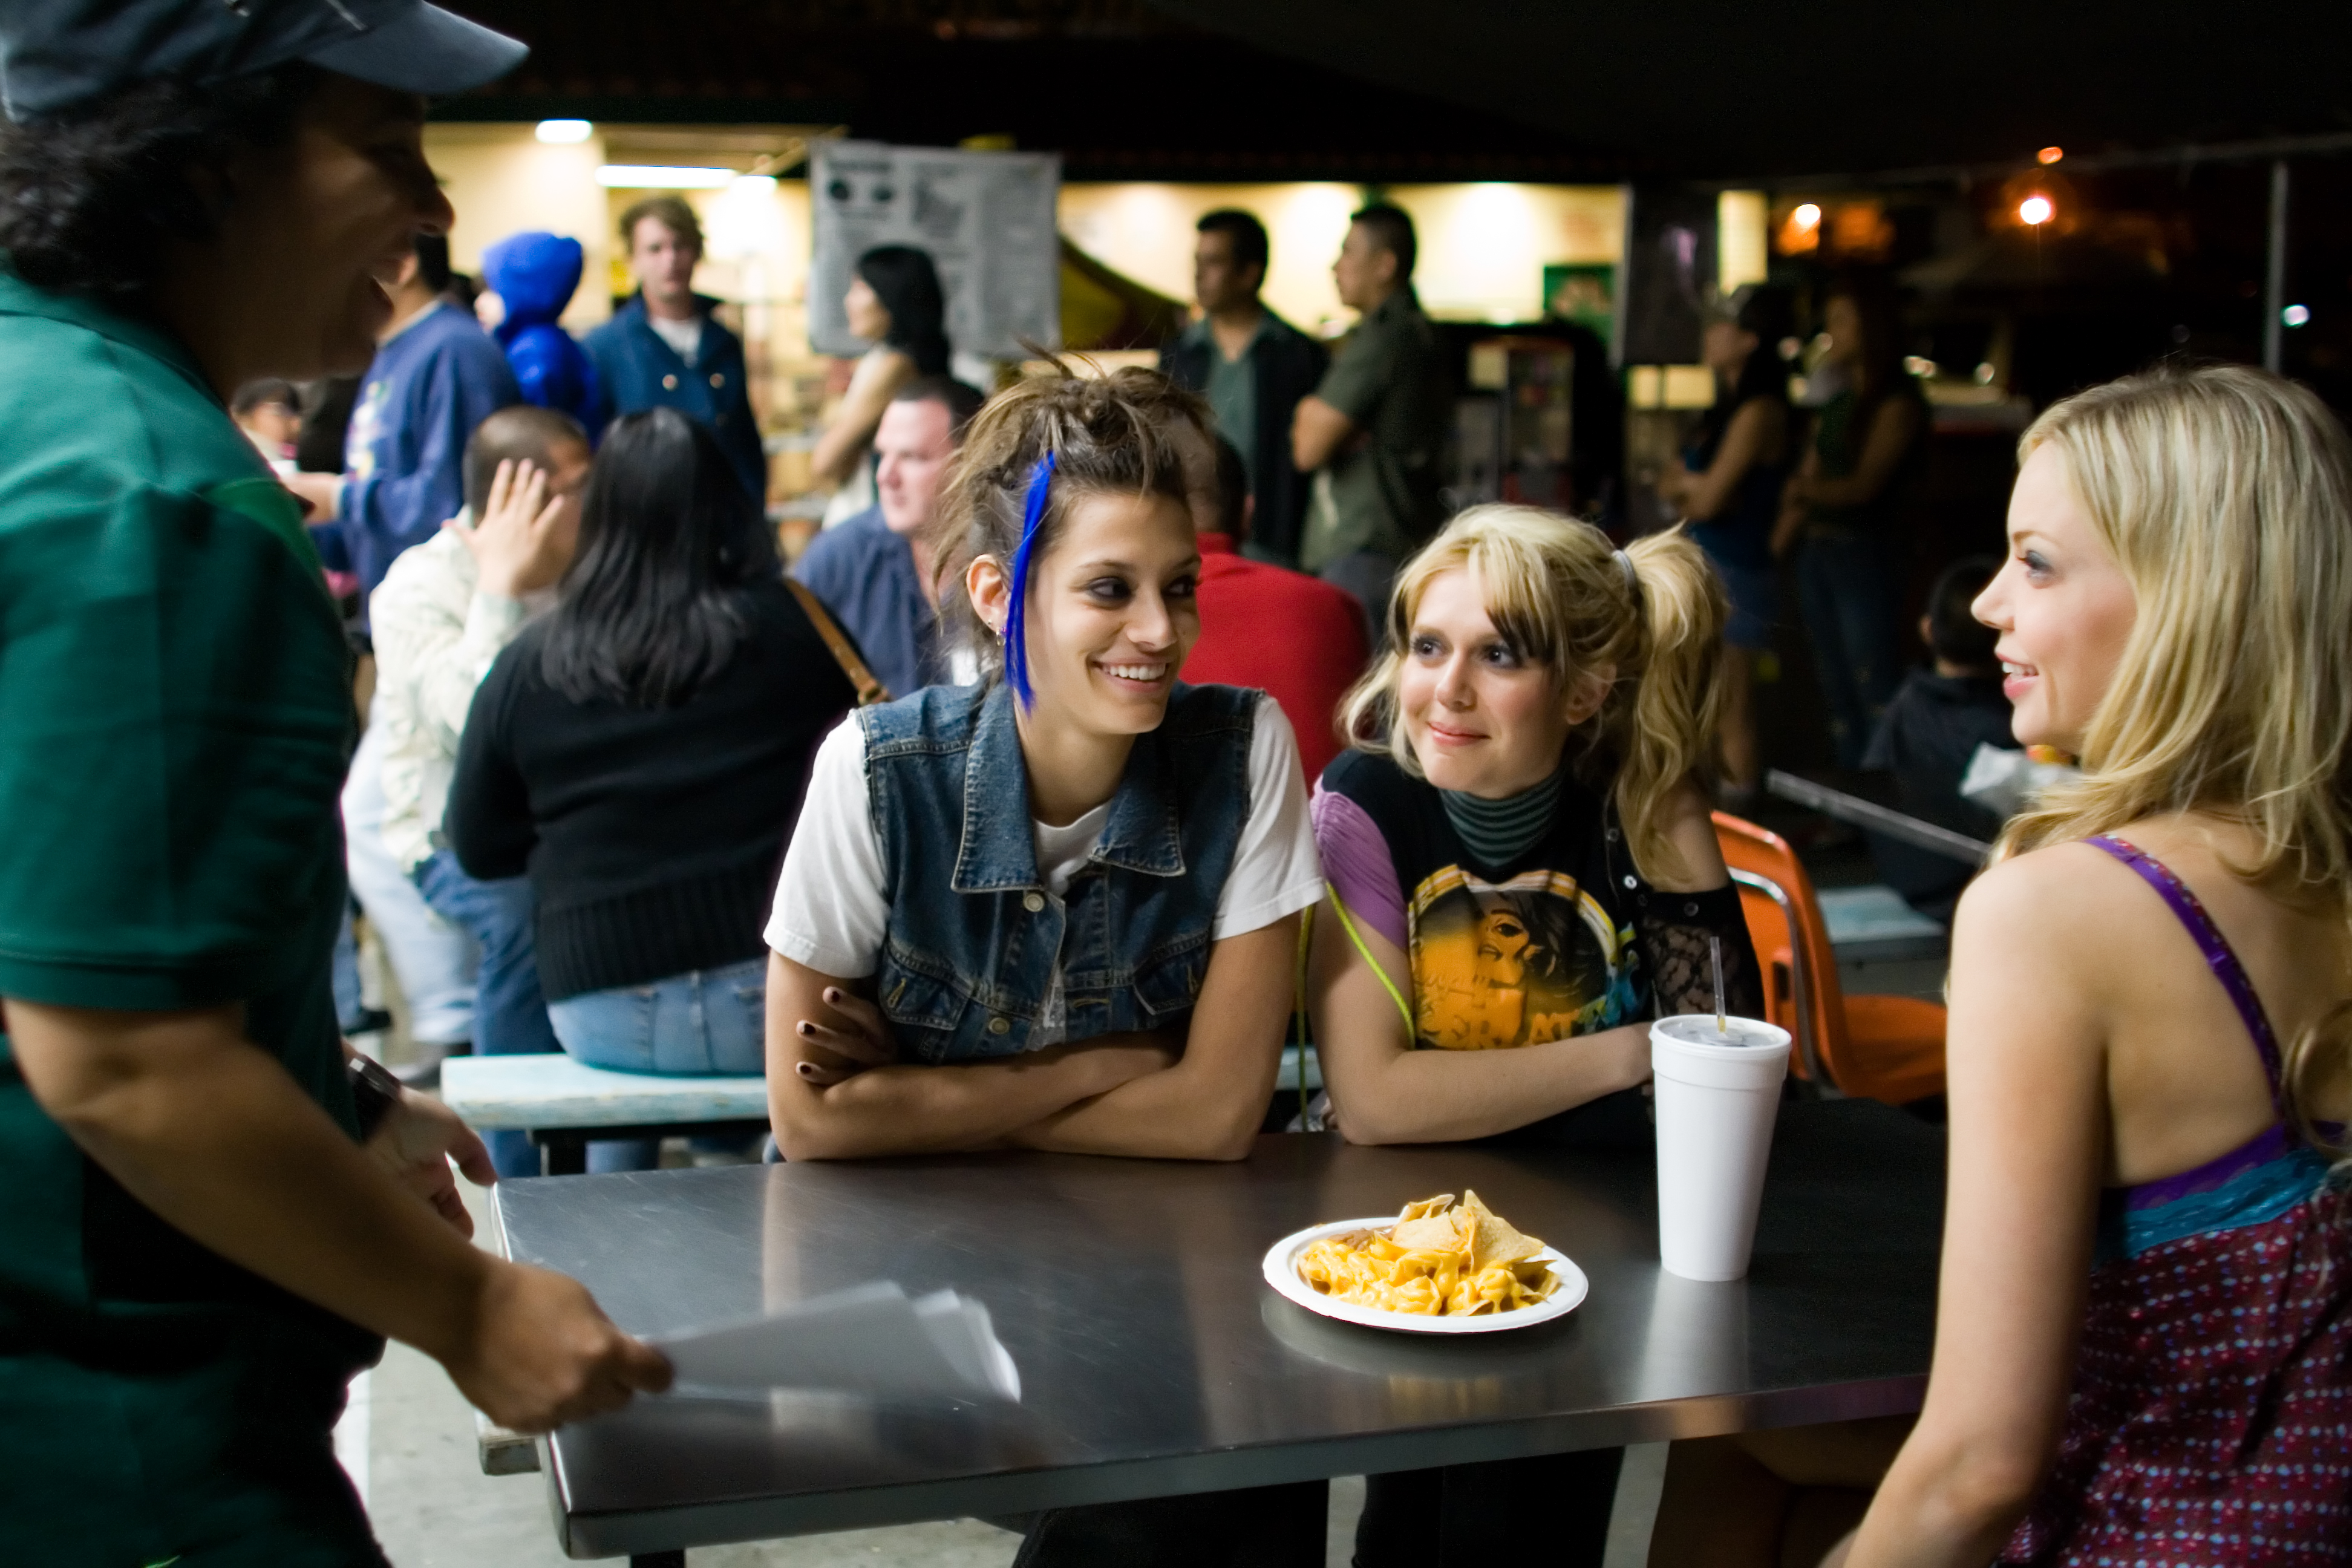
{"x": 1387, "y": 985}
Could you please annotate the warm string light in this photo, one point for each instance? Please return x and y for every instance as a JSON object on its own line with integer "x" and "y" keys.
{"x": 2036, "y": 210}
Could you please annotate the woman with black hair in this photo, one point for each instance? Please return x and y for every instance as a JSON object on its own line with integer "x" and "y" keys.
{"x": 1843, "y": 509}
{"x": 215, "y": 1211}
{"x": 894, "y": 302}
{"x": 1728, "y": 486}
{"x": 640, "y": 754}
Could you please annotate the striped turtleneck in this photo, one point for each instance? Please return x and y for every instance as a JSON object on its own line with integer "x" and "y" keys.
{"x": 1497, "y": 832}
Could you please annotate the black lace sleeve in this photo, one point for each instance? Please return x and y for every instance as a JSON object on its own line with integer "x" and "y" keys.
{"x": 1674, "y": 929}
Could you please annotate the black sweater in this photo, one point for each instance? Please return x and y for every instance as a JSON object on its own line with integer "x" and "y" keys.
{"x": 652, "y": 835}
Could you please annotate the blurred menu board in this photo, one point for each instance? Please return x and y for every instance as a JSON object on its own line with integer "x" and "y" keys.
{"x": 985, "y": 218}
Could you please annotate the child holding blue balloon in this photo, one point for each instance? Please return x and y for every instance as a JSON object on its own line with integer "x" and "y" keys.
{"x": 1057, "y": 908}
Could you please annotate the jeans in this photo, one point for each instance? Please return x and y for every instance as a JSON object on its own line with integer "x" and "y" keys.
{"x": 705, "y": 1021}
{"x": 1847, "y": 596}
{"x": 434, "y": 961}
{"x": 509, "y": 1013}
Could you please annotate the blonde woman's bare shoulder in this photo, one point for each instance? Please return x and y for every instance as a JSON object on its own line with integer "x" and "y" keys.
{"x": 2069, "y": 900}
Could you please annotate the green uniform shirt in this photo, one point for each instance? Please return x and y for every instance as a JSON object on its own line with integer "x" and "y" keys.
{"x": 1382, "y": 496}
{"x": 176, "y": 711}
{"x": 1232, "y": 392}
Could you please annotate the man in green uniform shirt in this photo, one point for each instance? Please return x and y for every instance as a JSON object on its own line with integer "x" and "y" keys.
{"x": 1373, "y": 430}
{"x": 198, "y": 1249}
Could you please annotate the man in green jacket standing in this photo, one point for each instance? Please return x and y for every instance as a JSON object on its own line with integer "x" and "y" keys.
{"x": 214, "y": 1212}
{"x": 1373, "y": 430}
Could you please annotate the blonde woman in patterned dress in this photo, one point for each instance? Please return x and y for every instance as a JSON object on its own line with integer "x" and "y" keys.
{"x": 2144, "y": 1344}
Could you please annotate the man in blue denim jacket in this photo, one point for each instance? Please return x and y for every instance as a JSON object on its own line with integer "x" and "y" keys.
{"x": 665, "y": 350}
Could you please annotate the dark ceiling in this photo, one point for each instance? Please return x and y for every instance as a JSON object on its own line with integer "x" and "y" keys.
{"x": 1121, "y": 89}
{"x": 1399, "y": 90}
{"x": 1741, "y": 88}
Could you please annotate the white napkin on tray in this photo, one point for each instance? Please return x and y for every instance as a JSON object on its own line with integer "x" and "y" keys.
{"x": 873, "y": 1339}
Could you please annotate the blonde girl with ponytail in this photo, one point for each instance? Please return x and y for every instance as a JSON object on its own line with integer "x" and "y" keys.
{"x": 1521, "y": 873}
{"x": 1522, "y": 868}
{"x": 2146, "y": 1243}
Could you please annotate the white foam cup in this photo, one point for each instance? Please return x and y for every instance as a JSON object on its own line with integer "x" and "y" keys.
{"x": 1717, "y": 1096}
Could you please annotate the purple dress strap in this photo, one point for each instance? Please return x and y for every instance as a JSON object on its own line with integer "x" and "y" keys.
{"x": 2218, "y": 957}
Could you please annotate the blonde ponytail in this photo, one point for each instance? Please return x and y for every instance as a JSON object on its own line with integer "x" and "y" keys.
{"x": 1562, "y": 596}
{"x": 1674, "y": 702}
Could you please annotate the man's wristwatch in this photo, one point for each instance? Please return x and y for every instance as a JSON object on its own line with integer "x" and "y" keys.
{"x": 375, "y": 1092}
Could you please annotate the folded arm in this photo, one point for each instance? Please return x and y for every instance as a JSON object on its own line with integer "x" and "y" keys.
{"x": 1759, "y": 424}
{"x": 1209, "y": 1104}
{"x": 891, "y": 1108}
{"x": 1317, "y": 433}
{"x": 1892, "y": 429}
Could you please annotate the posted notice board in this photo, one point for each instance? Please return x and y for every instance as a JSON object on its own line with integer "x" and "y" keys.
{"x": 987, "y": 220}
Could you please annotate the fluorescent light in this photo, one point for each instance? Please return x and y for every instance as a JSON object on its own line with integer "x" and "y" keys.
{"x": 752, "y": 182}
{"x": 659, "y": 177}
{"x": 565, "y": 131}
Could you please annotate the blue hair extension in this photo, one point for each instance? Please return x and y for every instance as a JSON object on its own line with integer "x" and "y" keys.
{"x": 1016, "y": 620}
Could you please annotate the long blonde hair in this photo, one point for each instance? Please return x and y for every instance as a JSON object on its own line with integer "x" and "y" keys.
{"x": 1559, "y": 595}
{"x": 2225, "y": 495}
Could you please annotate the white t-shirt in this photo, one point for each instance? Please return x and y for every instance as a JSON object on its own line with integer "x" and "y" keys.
{"x": 683, "y": 337}
{"x": 831, "y": 907}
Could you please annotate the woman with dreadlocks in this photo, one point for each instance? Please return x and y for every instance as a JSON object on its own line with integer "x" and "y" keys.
{"x": 1057, "y": 908}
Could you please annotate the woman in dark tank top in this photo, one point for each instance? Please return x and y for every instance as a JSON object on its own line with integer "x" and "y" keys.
{"x": 1727, "y": 488}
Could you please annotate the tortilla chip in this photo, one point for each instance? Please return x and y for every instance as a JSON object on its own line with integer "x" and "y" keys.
{"x": 1493, "y": 1239}
{"x": 1426, "y": 1206}
{"x": 1436, "y": 1233}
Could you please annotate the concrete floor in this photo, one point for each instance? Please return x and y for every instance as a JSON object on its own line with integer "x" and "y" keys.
{"x": 408, "y": 1441}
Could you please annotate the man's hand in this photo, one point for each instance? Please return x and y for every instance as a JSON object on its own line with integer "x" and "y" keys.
{"x": 540, "y": 1352}
{"x": 518, "y": 543}
{"x": 414, "y": 1143}
{"x": 320, "y": 493}
{"x": 867, "y": 1043}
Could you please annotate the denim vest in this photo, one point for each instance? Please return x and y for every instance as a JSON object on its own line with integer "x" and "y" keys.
{"x": 968, "y": 956}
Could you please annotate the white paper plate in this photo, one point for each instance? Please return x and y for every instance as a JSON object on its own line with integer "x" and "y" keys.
{"x": 1281, "y": 1270}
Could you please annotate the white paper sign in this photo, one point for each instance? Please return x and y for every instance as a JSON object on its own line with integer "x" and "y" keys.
{"x": 986, "y": 219}
{"x": 870, "y": 1340}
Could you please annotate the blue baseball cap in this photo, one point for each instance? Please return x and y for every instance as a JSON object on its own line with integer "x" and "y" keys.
{"x": 55, "y": 54}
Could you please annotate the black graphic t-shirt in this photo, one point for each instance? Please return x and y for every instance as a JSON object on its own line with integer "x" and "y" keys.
{"x": 1567, "y": 939}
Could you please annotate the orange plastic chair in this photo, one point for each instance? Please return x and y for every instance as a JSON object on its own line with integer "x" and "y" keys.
{"x": 1872, "y": 1047}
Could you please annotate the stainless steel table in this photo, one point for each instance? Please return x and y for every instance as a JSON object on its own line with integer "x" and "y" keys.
{"x": 1155, "y": 1361}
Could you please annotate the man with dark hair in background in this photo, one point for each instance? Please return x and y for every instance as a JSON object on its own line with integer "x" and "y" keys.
{"x": 435, "y": 376}
{"x": 665, "y": 350}
{"x": 445, "y": 611}
{"x": 1299, "y": 640}
{"x": 1931, "y": 729}
{"x": 1372, "y": 432}
{"x": 1252, "y": 367}
{"x": 876, "y": 570}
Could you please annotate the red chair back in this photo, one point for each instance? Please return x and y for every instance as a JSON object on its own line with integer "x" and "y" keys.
{"x": 1793, "y": 942}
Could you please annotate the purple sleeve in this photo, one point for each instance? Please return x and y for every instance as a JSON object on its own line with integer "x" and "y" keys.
{"x": 1356, "y": 858}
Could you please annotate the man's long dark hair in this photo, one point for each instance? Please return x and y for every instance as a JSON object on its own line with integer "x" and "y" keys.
{"x": 907, "y": 283}
{"x": 656, "y": 600}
